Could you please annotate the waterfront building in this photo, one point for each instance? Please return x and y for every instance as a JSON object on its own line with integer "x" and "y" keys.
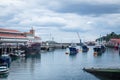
{"x": 31, "y": 37}
{"x": 113, "y": 43}
{"x": 14, "y": 38}
{"x": 11, "y": 36}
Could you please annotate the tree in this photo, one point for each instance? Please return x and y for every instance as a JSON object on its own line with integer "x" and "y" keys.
{"x": 109, "y": 36}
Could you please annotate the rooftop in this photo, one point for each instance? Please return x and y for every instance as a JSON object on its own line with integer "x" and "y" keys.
{"x": 11, "y": 36}
{"x": 115, "y": 40}
{"x": 9, "y": 30}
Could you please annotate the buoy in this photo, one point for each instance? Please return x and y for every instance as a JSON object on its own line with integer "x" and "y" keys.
{"x": 95, "y": 53}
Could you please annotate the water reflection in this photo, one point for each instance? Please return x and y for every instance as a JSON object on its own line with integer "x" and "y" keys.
{"x": 24, "y": 67}
{"x": 72, "y": 57}
{"x": 57, "y": 65}
{"x": 33, "y": 59}
{"x": 101, "y": 78}
{"x": 97, "y": 54}
{"x": 2, "y": 76}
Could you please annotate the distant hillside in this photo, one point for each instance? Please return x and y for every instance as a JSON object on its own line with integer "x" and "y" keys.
{"x": 109, "y": 36}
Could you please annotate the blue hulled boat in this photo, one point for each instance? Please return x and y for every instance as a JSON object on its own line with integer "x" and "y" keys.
{"x": 99, "y": 49}
{"x": 5, "y": 60}
{"x": 73, "y": 50}
{"x": 85, "y": 48}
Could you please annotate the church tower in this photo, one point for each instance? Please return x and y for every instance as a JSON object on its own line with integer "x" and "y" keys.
{"x": 32, "y": 31}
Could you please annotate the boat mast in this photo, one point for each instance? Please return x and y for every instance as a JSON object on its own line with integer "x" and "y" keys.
{"x": 79, "y": 38}
{"x": 100, "y": 42}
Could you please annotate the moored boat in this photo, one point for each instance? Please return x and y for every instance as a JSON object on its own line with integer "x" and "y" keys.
{"x": 99, "y": 49}
{"x": 33, "y": 47}
{"x": 17, "y": 54}
{"x": 85, "y": 48}
{"x": 109, "y": 73}
{"x": 5, "y": 60}
{"x": 73, "y": 50}
{"x": 4, "y": 70}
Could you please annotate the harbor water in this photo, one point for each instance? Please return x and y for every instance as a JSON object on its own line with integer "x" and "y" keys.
{"x": 56, "y": 65}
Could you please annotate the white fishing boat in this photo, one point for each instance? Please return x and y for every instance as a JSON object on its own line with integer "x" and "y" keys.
{"x": 4, "y": 70}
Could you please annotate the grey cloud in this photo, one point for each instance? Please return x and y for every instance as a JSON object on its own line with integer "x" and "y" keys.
{"x": 89, "y": 9}
{"x": 50, "y": 24}
{"x": 66, "y": 17}
{"x": 73, "y": 30}
{"x": 7, "y": 17}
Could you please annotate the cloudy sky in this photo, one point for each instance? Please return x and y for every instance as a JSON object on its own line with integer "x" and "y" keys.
{"x": 61, "y": 20}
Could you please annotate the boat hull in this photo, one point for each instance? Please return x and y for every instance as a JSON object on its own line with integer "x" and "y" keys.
{"x": 85, "y": 48}
{"x": 113, "y": 74}
{"x": 5, "y": 60}
{"x": 99, "y": 49}
{"x": 34, "y": 48}
{"x": 4, "y": 70}
{"x": 73, "y": 51}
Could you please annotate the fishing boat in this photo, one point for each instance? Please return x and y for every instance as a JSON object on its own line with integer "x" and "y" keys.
{"x": 109, "y": 73}
{"x": 5, "y": 60}
{"x": 85, "y": 48}
{"x": 30, "y": 48}
{"x": 20, "y": 53}
{"x": 34, "y": 47}
{"x": 4, "y": 70}
{"x": 99, "y": 49}
{"x": 73, "y": 50}
{"x": 17, "y": 54}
